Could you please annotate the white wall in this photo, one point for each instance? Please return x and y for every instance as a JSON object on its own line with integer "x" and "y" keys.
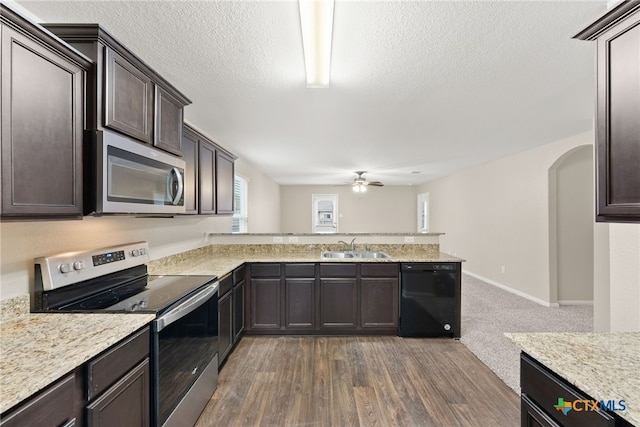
{"x": 624, "y": 259}
{"x": 21, "y": 242}
{"x": 497, "y": 215}
{"x": 571, "y": 187}
{"x": 264, "y": 199}
{"x": 389, "y": 209}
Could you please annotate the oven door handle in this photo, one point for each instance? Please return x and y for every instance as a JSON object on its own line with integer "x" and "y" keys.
{"x": 186, "y": 307}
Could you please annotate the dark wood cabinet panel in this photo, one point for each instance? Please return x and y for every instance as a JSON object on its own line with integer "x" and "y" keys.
{"x": 224, "y": 183}
{"x": 238, "y": 310}
{"x": 300, "y": 270}
{"x": 379, "y": 269}
{"x": 126, "y": 403}
{"x": 533, "y": 416}
{"x": 617, "y": 36}
{"x": 55, "y": 406}
{"x": 264, "y": 270}
{"x": 42, "y": 122}
{"x": 190, "y": 155}
{"x": 338, "y": 303}
{"x": 168, "y": 122}
{"x": 338, "y": 269}
{"x": 543, "y": 389}
{"x": 125, "y": 94}
{"x": 378, "y": 302}
{"x": 128, "y": 98}
{"x": 225, "y": 326}
{"x": 300, "y": 303}
{"x": 206, "y": 180}
{"x": 265, "y": 303}
{"x": 107, "y": 368}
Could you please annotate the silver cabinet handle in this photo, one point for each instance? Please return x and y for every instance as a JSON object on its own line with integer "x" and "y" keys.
{"x": 70, "y": 423}
{"x": 175, "y": 172}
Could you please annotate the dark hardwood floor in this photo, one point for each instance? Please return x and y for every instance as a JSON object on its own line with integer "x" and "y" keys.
{"x": 358, "y": 381}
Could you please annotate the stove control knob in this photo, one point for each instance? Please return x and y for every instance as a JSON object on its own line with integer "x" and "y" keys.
{"x": 135, "y": 252}
{"x": 78, "y": 265}
{"x": 143, "y": 251}
{"x": 64, "y": 268}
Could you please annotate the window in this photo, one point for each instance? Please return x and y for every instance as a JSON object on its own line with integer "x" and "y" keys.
{"x": 324, "y": 213}
{"x": 423, "y": 212}
{"x": 240, "y": 218}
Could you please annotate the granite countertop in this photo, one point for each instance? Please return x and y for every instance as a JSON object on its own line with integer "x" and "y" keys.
{"x": 603, "y": 365}
{"x": 220, "y": 260}
{"x": 38, "y": 349}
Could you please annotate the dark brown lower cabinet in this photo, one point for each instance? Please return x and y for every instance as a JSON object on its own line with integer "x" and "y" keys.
{"x": 55, "y": 406}
{"x": 378, "y": 302}
{"x": 541, "y": 391}
{"x": 300, "y": 299}
{"x": 238, "y": 310}
{"x": 323, "y": 298}
{"x": 225, "y": 333}
{"x": 112, "y": 389}
{"x": 338, "y": 303}
{"x": 124, "y": 404}
{"x": 265, "y": 303}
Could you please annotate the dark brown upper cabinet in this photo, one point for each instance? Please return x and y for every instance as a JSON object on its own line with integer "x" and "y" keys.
{"x": 617, "y": 37}
{"x": 42, "y": 90}
{"x": 209, "y": 176}
{"x": 125, "y": 94}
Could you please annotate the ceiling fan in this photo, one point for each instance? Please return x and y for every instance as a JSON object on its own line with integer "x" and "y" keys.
{"x": 360, "y": 183}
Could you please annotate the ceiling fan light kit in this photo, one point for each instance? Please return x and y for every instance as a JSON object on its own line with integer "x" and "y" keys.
{"x": 360, "y": 183}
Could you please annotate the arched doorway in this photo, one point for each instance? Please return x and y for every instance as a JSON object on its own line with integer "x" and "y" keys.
{"x": 571, "y": 208}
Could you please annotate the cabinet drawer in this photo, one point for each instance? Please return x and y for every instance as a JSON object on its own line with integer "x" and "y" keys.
{"x": 239, "y": 274}
{"x": 226, "y": 283}
{"x": 544, "y": 388}
{"x": 379, "y": 270}
{"x": 265, "y": 270}
{"x": 338, "y": 270}
{"x": 300, "y": 270}
{"x": 532, "y": 416}
{"x": 112, "y": 365}
{"x": 53, "y": 407}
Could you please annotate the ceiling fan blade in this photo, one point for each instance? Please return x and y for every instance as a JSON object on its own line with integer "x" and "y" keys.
{"x": 375, "y": 183}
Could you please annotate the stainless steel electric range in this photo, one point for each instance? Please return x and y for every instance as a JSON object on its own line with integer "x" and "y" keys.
{"x": 184, "y": 344}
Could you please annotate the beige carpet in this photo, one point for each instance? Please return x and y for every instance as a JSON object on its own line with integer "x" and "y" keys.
{"x": 488, "y": 312}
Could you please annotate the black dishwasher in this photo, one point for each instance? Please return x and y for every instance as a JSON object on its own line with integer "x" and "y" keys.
{"x": 430, "y": 299}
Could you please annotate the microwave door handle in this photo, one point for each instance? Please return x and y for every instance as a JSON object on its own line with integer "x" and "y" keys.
{"x": 170, "y": 180}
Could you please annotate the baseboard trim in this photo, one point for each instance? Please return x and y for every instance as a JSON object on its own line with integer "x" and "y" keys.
{"x": 575, "y": 302}
{"x": 513, "y": 291}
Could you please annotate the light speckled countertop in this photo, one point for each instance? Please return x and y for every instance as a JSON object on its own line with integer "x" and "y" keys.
{"x": 38, "y": 349}
{"x": 603, "y": 365}
{"x": 222, "y": 259}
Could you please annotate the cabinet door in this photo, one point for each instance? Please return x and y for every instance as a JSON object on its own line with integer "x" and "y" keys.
{"x": 618, "y": 118}
{"x": 207, "y": 177}
{"x": 53, "y": 407}
{"x": 238, "y": 310}
{"x": 225, "y": 322}
{"x": 124, "y": 404}
{"x": 379, "y": 303}
{"x": 338, "y": 303}
{"x": 300, "y": 301}
{"x": 128, "y": 97}
{"x": 42, "y": 125}
{"x": 224, "y": 183}
{"x": 168, "y": 122}
{"x": 265, "y": 303}
{"x": 533, "y": 416}
{"x": 190, "y": 156}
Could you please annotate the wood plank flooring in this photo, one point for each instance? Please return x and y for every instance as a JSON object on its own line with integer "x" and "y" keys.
{"x": 358, "y": 381}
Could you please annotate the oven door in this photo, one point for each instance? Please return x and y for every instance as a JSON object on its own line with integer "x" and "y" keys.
{"x": 185, "y": 356}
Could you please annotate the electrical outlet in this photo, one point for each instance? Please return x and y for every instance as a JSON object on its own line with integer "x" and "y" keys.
{"x": 503, "y": 269}
{"x": 409, "y": 239}
{"x": 293, "y": 239}
{"x": 278, "y": 239}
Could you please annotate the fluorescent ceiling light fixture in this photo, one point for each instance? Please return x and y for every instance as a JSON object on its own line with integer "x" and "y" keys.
{"x": 316, "y": 20}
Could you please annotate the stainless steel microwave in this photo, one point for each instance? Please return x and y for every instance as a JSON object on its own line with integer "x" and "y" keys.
{"x": 131, "y": 178}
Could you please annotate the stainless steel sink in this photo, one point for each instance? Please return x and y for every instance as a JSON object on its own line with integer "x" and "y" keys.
{"x": 353, "y": 254}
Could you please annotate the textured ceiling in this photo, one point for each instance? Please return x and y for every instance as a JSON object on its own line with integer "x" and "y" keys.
{"x": 416, "y": 86}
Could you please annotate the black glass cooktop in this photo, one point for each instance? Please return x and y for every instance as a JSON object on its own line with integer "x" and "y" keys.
{"x": 152, "y": 294}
